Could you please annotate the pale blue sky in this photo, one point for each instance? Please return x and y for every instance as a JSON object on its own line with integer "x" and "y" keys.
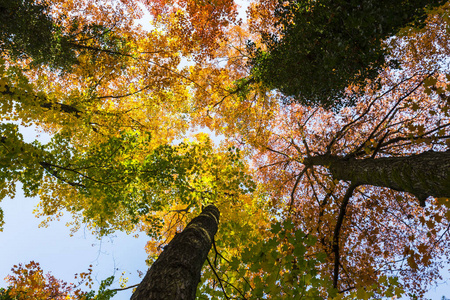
{"x": 22, "y": 241}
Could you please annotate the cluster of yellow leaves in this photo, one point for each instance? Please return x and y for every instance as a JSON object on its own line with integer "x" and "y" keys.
{"x": 243, "y": 214}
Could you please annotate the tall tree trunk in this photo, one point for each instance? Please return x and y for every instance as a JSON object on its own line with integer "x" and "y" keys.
{"x": 425, "y": 174}
{"x": 176, "y": 273}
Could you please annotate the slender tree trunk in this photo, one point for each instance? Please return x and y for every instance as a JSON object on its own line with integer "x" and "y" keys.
{"x": 176, "y": 273}
{"x": 425, "y": 174}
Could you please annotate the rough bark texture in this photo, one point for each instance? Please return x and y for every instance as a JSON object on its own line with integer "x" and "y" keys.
{"x": 425, "y": 174}
{"x": 176, "y": 273}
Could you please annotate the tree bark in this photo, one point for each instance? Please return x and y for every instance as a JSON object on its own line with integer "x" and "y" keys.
{"x": 176, "y": 273}
{"x": 425, "y": 174}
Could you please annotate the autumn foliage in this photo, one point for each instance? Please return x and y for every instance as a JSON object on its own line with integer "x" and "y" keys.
{"x": 29, "y": 282}
{"x": 341, "y": 203}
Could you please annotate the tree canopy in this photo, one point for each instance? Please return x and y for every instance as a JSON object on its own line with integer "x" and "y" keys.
{"x": 317, "y": 49}
{"x": 314, "y": 202}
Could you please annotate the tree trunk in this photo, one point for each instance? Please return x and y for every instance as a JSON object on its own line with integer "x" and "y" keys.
{"x": 425, "y": 174}
{"x": 176, "y": 273}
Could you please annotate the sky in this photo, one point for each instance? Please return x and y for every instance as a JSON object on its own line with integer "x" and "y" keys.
{"x": 23, "y": 241}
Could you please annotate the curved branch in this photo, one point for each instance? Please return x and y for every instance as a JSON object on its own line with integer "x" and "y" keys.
{"x": 295, "y": 187}
{"x": 218, "y": 278}
{"x": 337, "y": 231}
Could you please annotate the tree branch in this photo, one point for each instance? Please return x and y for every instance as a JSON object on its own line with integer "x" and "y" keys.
{"x": 337, "y": 230}
{"x": 299, "y": 176}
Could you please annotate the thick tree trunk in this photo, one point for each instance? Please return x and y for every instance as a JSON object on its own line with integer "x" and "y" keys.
{"x": 176, "y": 273}
{"x": 425, "y": 174}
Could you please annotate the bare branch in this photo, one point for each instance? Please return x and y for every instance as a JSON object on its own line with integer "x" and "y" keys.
{"x": 337, "y": 231}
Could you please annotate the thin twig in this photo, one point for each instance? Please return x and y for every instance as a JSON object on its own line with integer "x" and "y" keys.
{"x": 126, "y": 288}
{"x": 218, "y": 278}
